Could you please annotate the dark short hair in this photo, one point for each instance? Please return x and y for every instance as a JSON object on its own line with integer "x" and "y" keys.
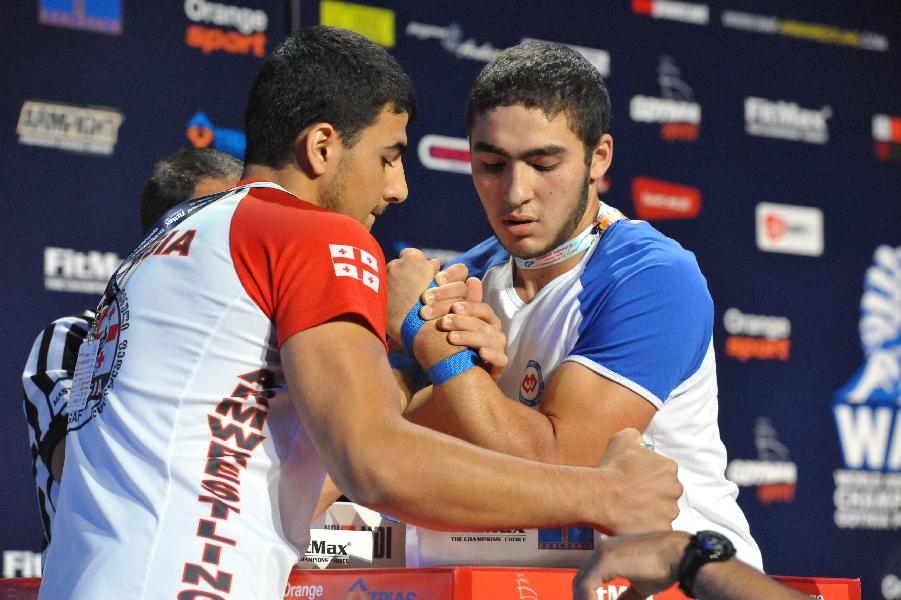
{"x": 174, "y": 178}
{"x": 551, "y": 77}
{"x": 321, "y": 74}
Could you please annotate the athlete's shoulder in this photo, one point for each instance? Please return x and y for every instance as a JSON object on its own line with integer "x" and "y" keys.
{"x": 483, "y": 256}
{"x": 632, "y": 245}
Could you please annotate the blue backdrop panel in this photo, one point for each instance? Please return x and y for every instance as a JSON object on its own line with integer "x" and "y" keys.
{"x": 764, "y": 136}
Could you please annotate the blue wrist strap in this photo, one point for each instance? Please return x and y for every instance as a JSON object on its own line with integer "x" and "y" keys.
{"x": 453, "y": 365}
{"x": 412, "y": 324}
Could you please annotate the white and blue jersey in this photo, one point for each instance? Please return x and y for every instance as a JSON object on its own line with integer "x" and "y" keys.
{"x": 637, "y": 311}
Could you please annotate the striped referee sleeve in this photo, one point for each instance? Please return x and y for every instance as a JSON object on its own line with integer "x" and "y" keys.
{"x": 46, "y": 380}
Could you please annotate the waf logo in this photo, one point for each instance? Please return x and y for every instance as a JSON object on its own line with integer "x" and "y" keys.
{"x": 656, "y": 200}
{"x": 761, "y": 337}
{"x": 773, "y": 473}
{"x": 676, "y": 111}
{"x": 532, "y": 387}
{"x": 887, "y": 137}
{"x": 789, "y": 229}
{"x": 99, "y": 16}
{"x": 226, "y": 28}
{"x": 687, "y": 12}
{"x": 443, "y": 153}
{"x": 201, "y": 132}
{"x": 867, "y": 408}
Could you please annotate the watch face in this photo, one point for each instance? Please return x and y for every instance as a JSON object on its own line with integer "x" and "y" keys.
{"x": 715, "y": 545}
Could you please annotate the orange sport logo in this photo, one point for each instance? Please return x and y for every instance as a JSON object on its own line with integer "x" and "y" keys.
{"x": 226, "y": 28}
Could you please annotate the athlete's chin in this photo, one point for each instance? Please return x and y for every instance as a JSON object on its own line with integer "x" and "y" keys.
{"x": 520, "y": 247}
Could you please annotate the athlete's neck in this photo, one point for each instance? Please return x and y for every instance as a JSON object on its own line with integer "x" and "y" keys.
{"x": 531, "y": 275}
{"x": 529, "y": 281}
{"x": 291, "y": 179}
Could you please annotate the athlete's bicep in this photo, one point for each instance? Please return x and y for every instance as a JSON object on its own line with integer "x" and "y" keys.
{"x": 343, "y": 390}
{"x": 586, "y": 409}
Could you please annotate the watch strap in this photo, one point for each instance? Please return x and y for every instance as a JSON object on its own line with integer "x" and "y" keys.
{"x": 703, "y": 547}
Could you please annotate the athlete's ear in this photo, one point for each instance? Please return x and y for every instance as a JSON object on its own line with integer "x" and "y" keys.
{"x": 601, "y": 158}
{"x": 317, "y": 148}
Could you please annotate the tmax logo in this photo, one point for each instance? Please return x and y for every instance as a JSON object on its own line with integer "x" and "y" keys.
{"x": 202, "y": 134}
{"x": 867, "y": 408}
{"x": 789, "y": 229}
{"x": 100, "y": 16}
{"x": 656, "y": 200}
{"x": 887, "y": 137}
{"x": 774, "y": 474}
{"x": 676, "y": 111}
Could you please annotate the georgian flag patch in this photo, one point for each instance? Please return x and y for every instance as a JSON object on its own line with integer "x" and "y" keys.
{"x": 350, "y": 261}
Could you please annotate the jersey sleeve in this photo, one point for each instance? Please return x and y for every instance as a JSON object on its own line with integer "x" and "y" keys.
{"x": 304, "y": 266}
{"x": 649, "y": 325}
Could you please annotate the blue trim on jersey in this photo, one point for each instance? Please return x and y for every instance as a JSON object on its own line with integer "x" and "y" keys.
{"x": 478, "y": 259}
{"x": 647, "y": 313}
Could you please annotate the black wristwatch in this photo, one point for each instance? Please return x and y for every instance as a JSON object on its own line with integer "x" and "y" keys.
{"x": 703, "y": 547}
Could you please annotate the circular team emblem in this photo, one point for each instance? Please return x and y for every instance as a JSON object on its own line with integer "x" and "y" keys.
{"x": 532, "y": 386}
{"x": 102, "y": 354}
{"x": 109, "y": 328}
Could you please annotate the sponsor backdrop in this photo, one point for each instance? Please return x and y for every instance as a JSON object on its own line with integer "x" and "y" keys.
{"x": 764, "y": 136}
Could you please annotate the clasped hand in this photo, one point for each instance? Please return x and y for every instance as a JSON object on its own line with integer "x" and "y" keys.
{"x": 453, "y": 310}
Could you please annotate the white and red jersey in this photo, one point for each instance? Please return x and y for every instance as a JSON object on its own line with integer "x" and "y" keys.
{"x": 188, "y": 473}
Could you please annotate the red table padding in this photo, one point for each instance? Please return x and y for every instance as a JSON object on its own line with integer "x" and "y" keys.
{"x": 460, "y": 583}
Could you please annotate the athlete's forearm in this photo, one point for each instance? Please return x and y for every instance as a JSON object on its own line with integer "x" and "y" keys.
{"x": 443, "y": 483}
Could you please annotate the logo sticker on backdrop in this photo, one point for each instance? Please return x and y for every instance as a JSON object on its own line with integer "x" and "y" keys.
{"x": 890, "y": 584}
{"x": 773, "y": 473}
{"x": 226, "y": 28}
{"x": 201, "y": 132}
{"x": 372, "y": 22}
{"x": 887, "y": 137}
{"x": 69, "y": 270}
{"x": 784, "y": 120}
{"x": 99, "y": 16}
{"x": 758, "y": 337}
{"x": 813, "y": 32}
{"x": 676, "y": 111}
{"x": 686, "y": 12}
{"x": 867, "y": 409}
{"x": 453, "y": 40}
{"x": 83, "y": 129}
{"x": 656, "y": 200}
{"x": 789, "y": 229}
{"x": 600, "y": 59}
{"x": 443, "y": 153}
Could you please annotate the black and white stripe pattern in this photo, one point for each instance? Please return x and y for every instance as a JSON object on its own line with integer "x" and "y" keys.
{"x": 46, "y": 380}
